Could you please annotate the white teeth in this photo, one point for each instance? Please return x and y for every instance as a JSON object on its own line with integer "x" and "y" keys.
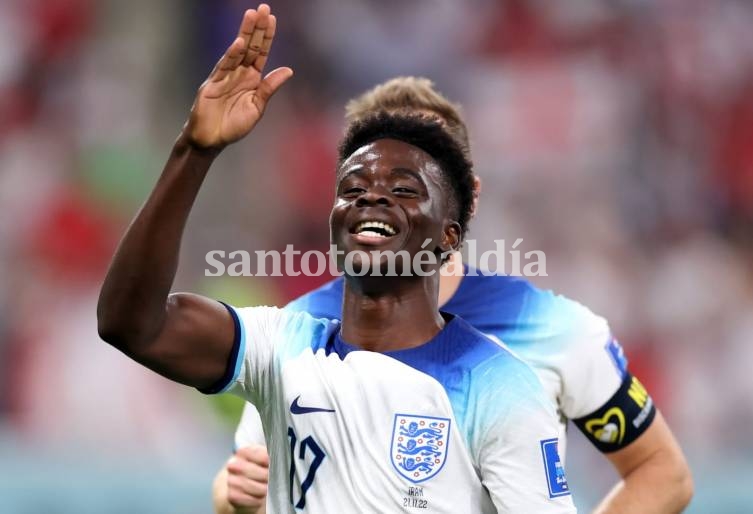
{"x": 371, "y": 233}
{"x": 364, "y": 226}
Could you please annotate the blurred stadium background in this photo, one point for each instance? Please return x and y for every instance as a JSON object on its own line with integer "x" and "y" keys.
{"x": 617, "y": 136}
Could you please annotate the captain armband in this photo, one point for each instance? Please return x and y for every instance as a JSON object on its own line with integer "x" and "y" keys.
{"x": 622, "y": 419}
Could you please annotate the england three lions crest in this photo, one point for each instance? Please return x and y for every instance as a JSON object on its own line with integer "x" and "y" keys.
{"x": 419, "y": 446}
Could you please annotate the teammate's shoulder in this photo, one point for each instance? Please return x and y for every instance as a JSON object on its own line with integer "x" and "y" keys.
{"x": 476, "y": 349}
{"x": 510, "y": 285}
{"x": 508, "y": 292}
{"x": 496, "y": 374}
{"x": 322, "y": 302}
{"x": 482, "y": 279}
{"x": 537, "y": 300}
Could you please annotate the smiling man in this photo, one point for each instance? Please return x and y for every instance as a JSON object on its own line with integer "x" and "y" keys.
{"x": 399, "y": 407}
{"x": 573, "y": 351}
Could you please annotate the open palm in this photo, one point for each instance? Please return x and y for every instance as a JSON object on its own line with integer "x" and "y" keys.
{"x": 232, "y": 99}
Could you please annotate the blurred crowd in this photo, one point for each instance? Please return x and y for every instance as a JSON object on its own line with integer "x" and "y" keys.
{"x": 616, "y": 136}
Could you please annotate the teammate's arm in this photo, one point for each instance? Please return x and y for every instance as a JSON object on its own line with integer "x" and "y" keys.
{"x": 627, "y": 428}
{"x": 186, "y": 337}
{"x": 240, "y": 487}
{"x": 633, "y": 435}
{"x": 655, "y": 475}
{"x": 242, "y": 480}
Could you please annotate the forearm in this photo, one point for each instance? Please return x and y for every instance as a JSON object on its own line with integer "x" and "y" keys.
{"x": 656, "y": 478}
{"x": 659, "y": 486}
{"x": 133, "y": 296}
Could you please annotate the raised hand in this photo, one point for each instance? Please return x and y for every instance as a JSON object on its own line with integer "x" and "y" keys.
{"x": 233, "y": 98}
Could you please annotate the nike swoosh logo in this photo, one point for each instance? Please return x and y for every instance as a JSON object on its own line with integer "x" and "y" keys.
{"x": 298, "y": 409}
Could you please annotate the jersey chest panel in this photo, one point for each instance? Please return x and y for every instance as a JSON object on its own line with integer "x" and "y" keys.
{"x": 386, "y": 426}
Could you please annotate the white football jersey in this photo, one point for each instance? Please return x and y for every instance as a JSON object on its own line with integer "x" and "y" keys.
{"x": 570, "y": 348}
{"x": 458, "y": 424}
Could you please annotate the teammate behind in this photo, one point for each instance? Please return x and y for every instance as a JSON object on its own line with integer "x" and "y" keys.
{"x": 580, "y": 363}
{"x": 399, "y": 406}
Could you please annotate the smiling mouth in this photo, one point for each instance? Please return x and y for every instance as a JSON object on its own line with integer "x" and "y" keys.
{"x": 375, "y": 229}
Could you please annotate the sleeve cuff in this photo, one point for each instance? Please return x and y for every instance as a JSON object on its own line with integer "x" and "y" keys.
{"x": 235, "y": 359}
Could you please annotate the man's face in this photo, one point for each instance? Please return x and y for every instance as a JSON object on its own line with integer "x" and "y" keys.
{"x": 390, "y": 198}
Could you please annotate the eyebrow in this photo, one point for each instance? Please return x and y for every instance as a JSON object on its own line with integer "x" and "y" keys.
{"x": 359, "y": 170}
{"x": 406, "y": 171}
{"x": 356, "y": 169}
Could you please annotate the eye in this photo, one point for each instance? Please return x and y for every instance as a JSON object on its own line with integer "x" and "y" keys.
{"x": 352, "y": 192}
{"x": 405, "y": 191}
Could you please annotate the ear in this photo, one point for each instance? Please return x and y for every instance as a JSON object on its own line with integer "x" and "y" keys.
{"x": 451, "y": 238}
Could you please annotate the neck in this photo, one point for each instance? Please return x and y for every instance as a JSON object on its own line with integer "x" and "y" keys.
{"x": 450, "y": 278}
{"x": 403, "y": 315}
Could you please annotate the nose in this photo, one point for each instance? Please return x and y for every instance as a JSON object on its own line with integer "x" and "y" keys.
{"x": 374, "y": 196}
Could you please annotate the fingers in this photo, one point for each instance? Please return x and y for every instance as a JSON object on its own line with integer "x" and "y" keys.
{"x": 251, "y": 463}
{"x": 241, "y": 498}
{"x": 247, "y": 471}
{"x": 266, "y": 44}
{"x": 230, "y": 61}
{"x": 248, "y": 23}
{"x": 247, "y": 477}
{"x": 261, "y": 39}
{"x": 271, "y": 83}
{"x": 255, "y": 453}
{"x": 255, "y": 35}
{"x": 244, "y": 486}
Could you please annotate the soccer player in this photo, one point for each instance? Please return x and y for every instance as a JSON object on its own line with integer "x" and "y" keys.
{"x": 399, "y": 406}
{"x": 581, "y": 364}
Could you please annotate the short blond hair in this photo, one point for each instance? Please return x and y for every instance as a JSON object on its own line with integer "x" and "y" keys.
{"x": 411, "y": 94}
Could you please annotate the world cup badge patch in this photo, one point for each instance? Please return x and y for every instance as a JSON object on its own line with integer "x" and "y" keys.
{"x": 419, "y": 446}
{"x": 555, "y": 472}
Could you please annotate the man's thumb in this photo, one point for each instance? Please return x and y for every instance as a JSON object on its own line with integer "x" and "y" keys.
{"x": 273, "y": 81}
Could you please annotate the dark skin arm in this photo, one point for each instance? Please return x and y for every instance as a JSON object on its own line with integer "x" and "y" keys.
{"x": 185, "y": 337}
